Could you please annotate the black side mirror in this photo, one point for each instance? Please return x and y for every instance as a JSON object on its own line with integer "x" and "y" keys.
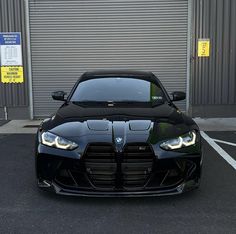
{"x": 178, "y": 96}
{"x": 59, "y": 95}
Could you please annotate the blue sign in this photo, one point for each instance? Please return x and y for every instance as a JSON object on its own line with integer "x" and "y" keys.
{"x": 10, "y": 38}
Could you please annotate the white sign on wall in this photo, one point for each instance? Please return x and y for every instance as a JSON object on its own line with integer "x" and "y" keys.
{"x": 11, "y": 57}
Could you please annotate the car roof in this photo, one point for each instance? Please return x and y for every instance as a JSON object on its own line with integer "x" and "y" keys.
{"x": 118, "y": 73}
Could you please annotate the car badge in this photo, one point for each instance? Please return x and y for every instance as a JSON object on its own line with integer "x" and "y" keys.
{"x": 119, "y": 140}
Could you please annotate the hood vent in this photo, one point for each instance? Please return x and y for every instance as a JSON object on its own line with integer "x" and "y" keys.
{"x": 98, "y": 125}
{"x": 139, "y": 125}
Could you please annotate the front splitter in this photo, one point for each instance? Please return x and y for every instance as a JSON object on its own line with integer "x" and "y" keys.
{"x": 185, "y": 186}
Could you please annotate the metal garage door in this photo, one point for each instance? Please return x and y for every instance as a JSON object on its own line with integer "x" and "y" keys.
{"x": 71, "y": 37}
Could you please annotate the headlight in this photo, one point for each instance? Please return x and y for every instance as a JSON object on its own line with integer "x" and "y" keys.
{"x": 180, "y": 142}
{"x": 52, "y": 140}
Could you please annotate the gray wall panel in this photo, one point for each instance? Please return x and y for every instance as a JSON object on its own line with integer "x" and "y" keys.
{"x": 71, "y": 37}
{"x": 213, "y": 79}
{"x": 12, "y": 20}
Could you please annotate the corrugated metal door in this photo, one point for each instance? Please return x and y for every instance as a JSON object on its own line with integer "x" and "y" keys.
{"x": 71, "y": 37}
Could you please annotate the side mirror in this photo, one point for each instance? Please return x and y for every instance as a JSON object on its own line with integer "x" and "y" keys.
{"x": 59, "y": 95}
{"x": 178, "y": 96}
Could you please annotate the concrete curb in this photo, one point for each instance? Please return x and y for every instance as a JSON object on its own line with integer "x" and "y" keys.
{"x": 20, "y": 127}
{"x": 216, "y": 124}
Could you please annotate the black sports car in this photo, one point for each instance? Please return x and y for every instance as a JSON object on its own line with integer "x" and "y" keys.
{"x": 118, "y": 133}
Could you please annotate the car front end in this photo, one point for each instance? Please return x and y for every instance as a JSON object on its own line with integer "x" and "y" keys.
{"x": 118, "y": 158}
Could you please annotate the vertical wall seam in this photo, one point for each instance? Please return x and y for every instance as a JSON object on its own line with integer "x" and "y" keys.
{"x": 189, "y": 44}
{"x": 28, "y": 46}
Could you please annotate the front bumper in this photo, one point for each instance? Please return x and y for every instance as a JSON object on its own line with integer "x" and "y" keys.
{"x": 67, "y": 176}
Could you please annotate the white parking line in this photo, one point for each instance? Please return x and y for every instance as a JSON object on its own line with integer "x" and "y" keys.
{"x": 224, "y": 142}
{"x": 219, "y": 150}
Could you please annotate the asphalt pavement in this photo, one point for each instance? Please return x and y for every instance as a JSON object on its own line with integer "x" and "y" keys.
{"x": 26, "y": 209}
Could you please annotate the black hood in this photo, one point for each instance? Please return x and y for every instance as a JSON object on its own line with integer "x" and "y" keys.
{"x": 164, "y": 113}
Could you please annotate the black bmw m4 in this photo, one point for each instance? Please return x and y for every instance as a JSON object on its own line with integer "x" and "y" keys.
{"x": 118, "y": 133}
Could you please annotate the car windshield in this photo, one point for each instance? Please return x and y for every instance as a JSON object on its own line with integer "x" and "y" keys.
{"x": 118, "y": 90}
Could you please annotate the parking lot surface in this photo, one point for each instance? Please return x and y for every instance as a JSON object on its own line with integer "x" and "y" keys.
{"x": 25, "y": 209}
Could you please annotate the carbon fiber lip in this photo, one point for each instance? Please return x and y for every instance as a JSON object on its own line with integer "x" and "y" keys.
{"x": 178, "y": 190}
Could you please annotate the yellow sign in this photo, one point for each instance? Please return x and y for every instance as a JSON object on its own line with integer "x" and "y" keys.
{"x": 12, "y": 74}
{"x": 203, "y": 47}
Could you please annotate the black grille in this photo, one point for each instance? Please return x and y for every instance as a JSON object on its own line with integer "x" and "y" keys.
{"x": 101, "y": 165}
{"x": 130, "y": 169}
{"x": 137, "y": 165}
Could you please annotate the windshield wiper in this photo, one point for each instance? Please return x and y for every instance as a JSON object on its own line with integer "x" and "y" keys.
{"x": 117, "y": 103}
{"x": 158, "y": 103}
{"x": 88, "y": 103}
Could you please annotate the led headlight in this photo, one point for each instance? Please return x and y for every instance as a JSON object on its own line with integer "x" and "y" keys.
{"x": 53, "y": 140}
{"x": 180, "y": 142}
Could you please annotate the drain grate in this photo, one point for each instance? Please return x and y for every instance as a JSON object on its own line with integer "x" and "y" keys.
{"x": 31, "y": 126}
